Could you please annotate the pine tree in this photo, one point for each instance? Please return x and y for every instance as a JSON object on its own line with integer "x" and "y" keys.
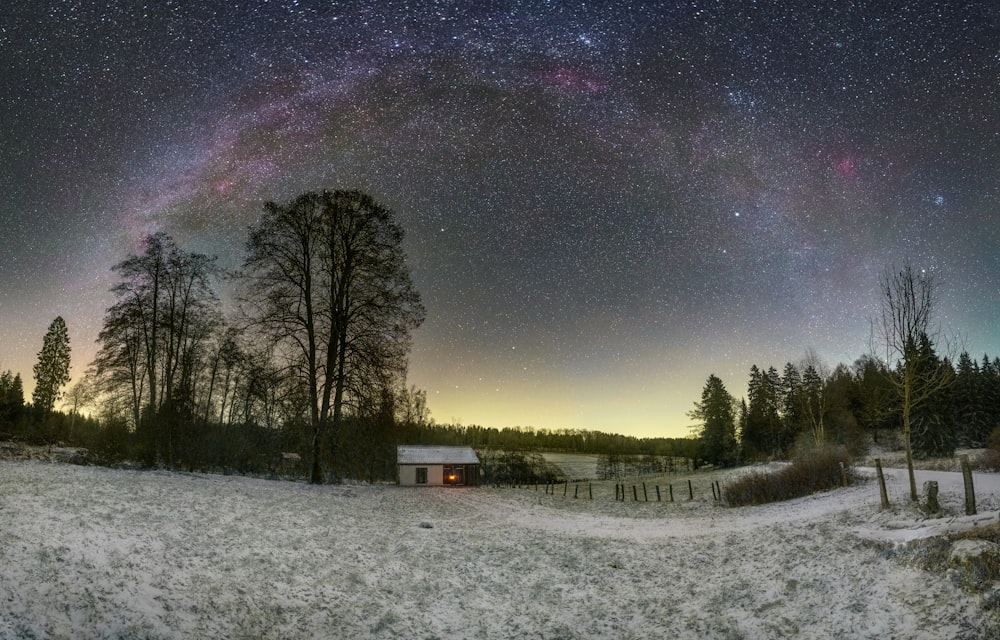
{"x": 765, "y": 434}
{"x": 11, "y": 397}
{"x": 792, "y": 400}
{"x": 933, "y": 432}
{"x": 970, "y": 413}
{"x": 715, "y": 414}
{"x": 753, "y": 429}
{"x": 989, "y": 372}
{"x": 52, "y": 369}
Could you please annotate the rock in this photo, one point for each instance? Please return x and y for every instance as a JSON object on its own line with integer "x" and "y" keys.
{"x": 426, "y": 525}
{"x": 71, "y": 455}
{"x": 967, "y": 551}
{"x": 11, "y": 451}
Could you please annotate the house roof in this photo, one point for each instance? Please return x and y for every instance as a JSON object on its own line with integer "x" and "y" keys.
{"x": 420, "y": 454}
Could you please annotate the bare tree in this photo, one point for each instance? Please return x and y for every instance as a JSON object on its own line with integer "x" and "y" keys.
{"x": 904, "y": 323}
{"x": 325, "y": 279}
{"x": 153, "y": 337}
{"x": 78, "y": 396}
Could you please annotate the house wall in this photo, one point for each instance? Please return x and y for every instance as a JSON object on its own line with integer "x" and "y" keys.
{"x": 435, "y": 475}
{"x": 408, "y": 474}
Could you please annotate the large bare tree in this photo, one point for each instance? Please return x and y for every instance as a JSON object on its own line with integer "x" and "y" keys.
{"x": 153, "y": 335}
{"x": 904, "y": 323}
{"x": 325, "y": 279}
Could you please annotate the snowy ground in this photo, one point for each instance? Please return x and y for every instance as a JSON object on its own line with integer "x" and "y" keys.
{"x": 88, "y": 552}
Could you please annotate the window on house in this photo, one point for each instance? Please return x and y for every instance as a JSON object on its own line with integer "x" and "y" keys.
{"x": 421, "y": 475}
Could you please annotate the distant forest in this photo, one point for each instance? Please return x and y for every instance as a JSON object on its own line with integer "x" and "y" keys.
{"x": 306, "y": 374}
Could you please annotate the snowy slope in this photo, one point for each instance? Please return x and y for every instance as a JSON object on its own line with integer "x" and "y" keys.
{"x": 87, "y": 552}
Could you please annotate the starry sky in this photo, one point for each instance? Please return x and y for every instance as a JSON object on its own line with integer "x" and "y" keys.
{"x": 604, "y": 202}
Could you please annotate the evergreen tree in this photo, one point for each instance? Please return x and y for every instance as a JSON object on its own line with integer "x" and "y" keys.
{"x": 877, "y": 404}
{"x": 989, "y": 372}
{"x": 792, "y": 399}
{"x": 52, "y": 369}
{"x": 842, "y": 402}
{"x": 933, "y": 432}
{"x": 971, "y": 422}
{"x": 765, "y": 435}
{"x": 11, "y": 397}
{"x": 717, "y": 423}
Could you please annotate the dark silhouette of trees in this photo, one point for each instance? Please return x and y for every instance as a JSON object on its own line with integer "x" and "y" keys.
{"x": 52, "y": 368}
{"x": 152, "y": 339}
{"x": 876, "y": 403}
{"x": 326, "y": 282}
{"x": 971, "y": 395}
{"x": 11, "y": 399}
{"x": 764, "y": 432}
{"x": 933, "y": 420}
{"x": 716, "y": 417}
{"x": 813, "y": 399}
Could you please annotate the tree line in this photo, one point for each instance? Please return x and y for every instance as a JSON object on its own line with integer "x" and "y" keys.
{"x": 903, "y": 385}
{"x": 311, "y": 358}
{"x": 544, "y": 440}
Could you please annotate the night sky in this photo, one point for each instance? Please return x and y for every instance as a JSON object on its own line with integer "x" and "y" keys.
{"x": 604, "y": 202}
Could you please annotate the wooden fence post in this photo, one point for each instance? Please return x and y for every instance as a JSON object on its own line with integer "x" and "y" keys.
{"x": 658, "y": 493}
{"x": 715, "y": 496}
{"x": 576, "y": 490}
{"x": 590, "y": 488}
{"x": 565, "y": 488}
{"x": 970, "y": 491}
{"x": 645, "y": 496}
{"x": 635, "y": 495}
{"x": 881, "y": 483}
{"x": 671, "y": 487}
{"x": 719, "y": 489}
{"x": 690, "y": 491}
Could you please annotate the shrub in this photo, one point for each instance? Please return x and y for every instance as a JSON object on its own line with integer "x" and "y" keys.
{"x": 989, "y": 459}
{"x": 811, "y": 470}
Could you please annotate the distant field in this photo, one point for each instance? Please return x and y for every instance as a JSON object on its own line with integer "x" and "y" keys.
{"x": 576, "y": 466}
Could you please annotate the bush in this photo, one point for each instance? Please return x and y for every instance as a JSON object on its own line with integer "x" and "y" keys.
{"x": 811, "y": 470}
{"x": 989, "y": 459}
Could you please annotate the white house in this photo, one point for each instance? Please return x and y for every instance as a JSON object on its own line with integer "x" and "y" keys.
{"x": 433, "y": 466}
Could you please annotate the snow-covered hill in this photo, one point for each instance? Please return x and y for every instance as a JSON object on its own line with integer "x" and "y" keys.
{"x": 88, "y": 552}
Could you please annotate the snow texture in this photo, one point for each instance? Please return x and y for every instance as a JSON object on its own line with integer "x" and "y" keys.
{"x": 89, "y": 552}
{"x": 420, "y": 454}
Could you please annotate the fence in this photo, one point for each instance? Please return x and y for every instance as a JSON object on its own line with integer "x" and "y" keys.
{"x": 638, "y": 492}
{"x": 931, "y": 488}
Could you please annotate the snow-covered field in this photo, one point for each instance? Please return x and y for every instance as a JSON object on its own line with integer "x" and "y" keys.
{"x": 88, "y": 552}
